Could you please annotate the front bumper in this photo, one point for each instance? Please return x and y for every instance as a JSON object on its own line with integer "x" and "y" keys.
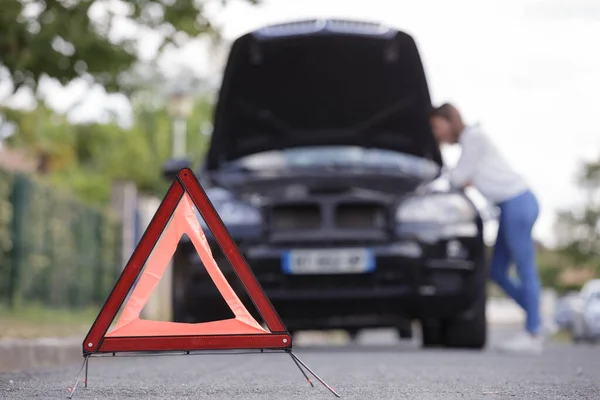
{"x": 414, "y": 275}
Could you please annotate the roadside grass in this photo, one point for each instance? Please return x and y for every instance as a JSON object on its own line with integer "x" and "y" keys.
{"x": 36, "y": 321}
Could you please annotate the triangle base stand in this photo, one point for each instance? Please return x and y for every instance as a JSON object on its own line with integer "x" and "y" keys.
{"x": 297, "y": 361}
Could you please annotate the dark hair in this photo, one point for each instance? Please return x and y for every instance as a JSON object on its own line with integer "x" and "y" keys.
{"x": 444, "y": 111}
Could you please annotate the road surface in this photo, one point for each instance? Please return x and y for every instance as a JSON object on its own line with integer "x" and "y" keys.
{"x": 377, "y": 366}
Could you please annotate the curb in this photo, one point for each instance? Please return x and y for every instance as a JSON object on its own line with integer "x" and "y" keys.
{"x": 23, "y": 354}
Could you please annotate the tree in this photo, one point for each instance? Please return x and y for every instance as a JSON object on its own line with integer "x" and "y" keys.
{"x": 578, "y": 229}
{"x": 87, "y": 158}
{"x": 68, "y": 39}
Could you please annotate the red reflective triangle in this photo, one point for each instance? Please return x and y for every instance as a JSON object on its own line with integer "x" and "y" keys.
{"x": 175, "y": 216}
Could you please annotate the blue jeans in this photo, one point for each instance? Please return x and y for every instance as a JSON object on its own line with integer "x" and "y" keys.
{"x": 515, "y": 243}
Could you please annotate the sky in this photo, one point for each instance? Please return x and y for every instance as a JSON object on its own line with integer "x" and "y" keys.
{"x": 527, "y": 71}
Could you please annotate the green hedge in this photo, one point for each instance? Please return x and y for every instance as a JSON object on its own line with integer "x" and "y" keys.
{"x": 54, "y": 250}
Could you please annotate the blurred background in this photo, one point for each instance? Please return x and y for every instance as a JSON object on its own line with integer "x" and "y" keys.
{"x": 94, "y": 96}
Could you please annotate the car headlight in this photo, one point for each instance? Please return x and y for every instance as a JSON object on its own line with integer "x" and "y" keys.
{"x": 440, "y": 208}
{"x": 235, "y": 213}
{"x": 231, "y": 210}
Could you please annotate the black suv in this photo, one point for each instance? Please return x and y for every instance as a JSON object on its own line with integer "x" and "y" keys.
{"x": 319, "y": 165}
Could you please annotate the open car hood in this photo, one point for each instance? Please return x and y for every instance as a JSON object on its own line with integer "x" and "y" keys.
{"x": 331, "y": 82}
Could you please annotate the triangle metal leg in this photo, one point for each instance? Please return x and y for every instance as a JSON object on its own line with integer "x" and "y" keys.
{"x": 299, "y": 361}
{"x": 301, "y": 370}
{"x": 85, "y": 378}
{"x": 83, "y": 366}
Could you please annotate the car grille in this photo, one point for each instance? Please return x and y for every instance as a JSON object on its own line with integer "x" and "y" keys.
{"x": 305, "y": 216}
{"x": 291, "y": 217}
{"x": 326, "y": 282}
{"x": 357, "y": 216}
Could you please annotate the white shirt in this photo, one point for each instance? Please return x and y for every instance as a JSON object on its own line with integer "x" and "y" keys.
{"x": 482, "y": 165}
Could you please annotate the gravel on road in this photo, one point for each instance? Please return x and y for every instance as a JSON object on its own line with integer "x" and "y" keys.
{"x": 366, "y": 370}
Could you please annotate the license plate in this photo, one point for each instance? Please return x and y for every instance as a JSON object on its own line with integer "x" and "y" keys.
{"x": 328, "y": 261}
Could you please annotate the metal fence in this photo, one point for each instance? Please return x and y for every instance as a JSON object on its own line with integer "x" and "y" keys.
{"x": 54, "y": 250}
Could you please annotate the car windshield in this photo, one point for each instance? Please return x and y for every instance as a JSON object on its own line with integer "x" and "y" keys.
{"x": 336, "y": 156}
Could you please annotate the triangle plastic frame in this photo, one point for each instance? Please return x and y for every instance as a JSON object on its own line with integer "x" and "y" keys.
{"x": 96, "y": 340}
{"x": 98, "y": 344}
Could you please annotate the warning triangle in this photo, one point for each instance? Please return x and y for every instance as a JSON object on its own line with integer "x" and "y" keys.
{"x": 174, "y": 218}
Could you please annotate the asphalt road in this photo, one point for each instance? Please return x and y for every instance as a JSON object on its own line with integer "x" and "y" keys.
{"x": 377, "y": 366}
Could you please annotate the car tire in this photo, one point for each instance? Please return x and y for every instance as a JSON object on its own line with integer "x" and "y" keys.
{"x": 179, "y": 308}
{"x": 431, "y": 334}
{"x": 217, "y": 311}
{"x": 470, "y": 330}
{"x": 353, "y": 334}
{"x": 404, "y": 333}
{"x": 180, "y": 314}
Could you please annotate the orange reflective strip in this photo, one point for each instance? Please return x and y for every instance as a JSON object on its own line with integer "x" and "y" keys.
{"x": 183, "y": 221}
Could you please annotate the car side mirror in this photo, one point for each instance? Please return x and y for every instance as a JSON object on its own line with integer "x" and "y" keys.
{"x": 172, "y": 167}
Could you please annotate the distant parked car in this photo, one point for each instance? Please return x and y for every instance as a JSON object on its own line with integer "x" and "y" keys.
{"x": 586, "y": 313}
{"x": 563, "y": 313}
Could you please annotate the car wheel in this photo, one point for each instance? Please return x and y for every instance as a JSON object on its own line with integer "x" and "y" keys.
{"x": 215, "y": 308}
{"x": 353, "y": 334}
{"x": 432, "y": 334}
{"x": 404, "y": 333}
{"x": 180, "y": 314}
{"x": 470, "y": 330}
{"x": 179, "y": 308}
